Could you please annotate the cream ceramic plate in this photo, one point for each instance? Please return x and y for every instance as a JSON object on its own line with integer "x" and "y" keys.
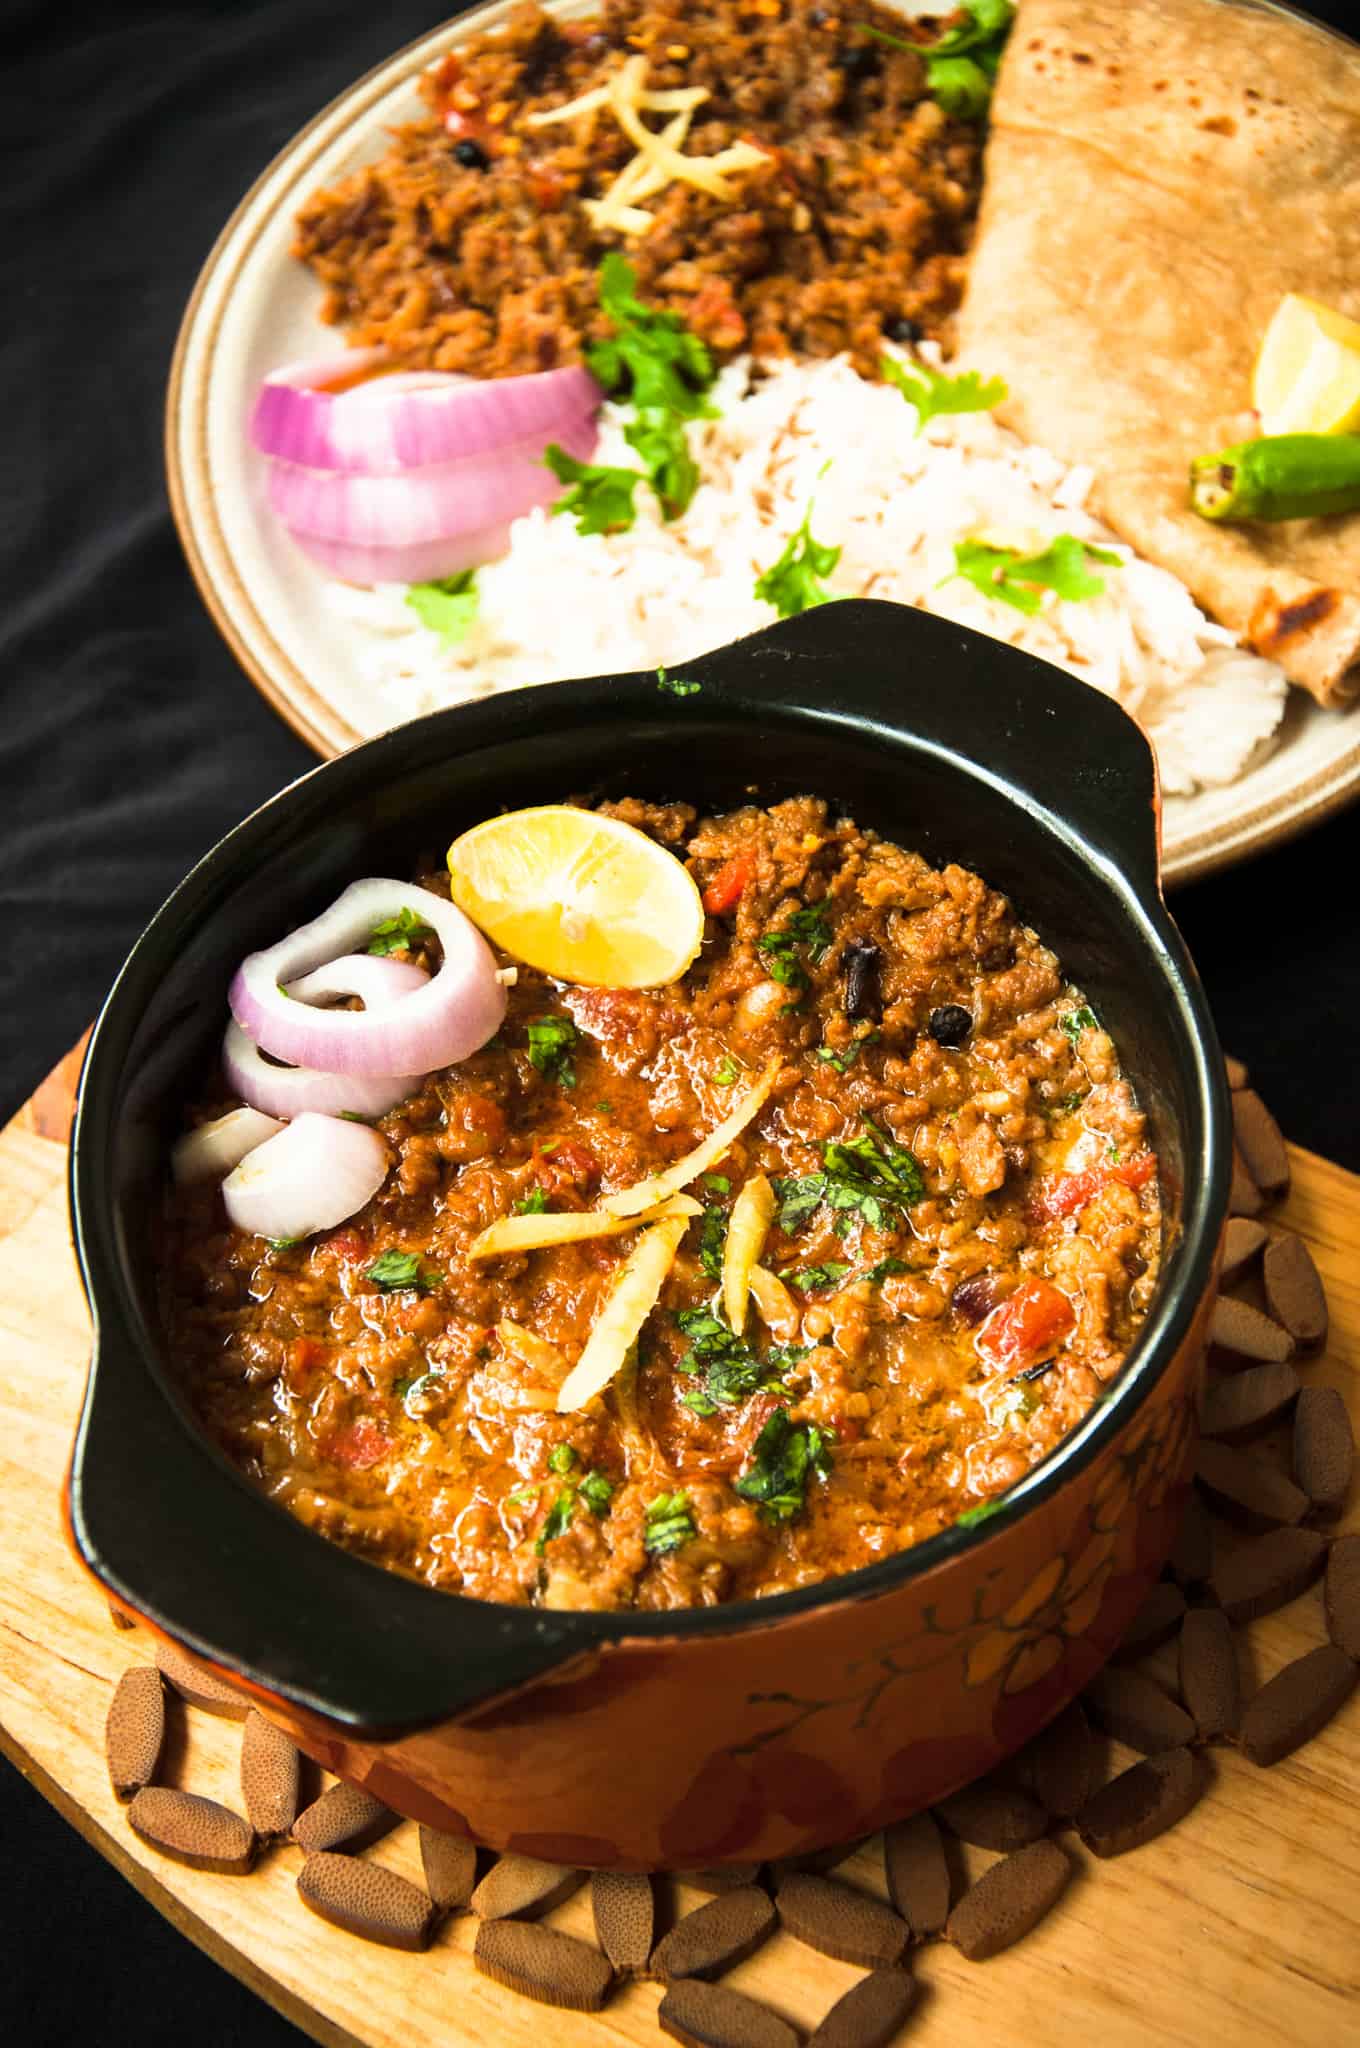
{"x": 255, "y": 308}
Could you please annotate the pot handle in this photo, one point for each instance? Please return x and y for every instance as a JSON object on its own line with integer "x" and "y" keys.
{"x": 1055, "y": 744}
{"x": 176, "y": 1534}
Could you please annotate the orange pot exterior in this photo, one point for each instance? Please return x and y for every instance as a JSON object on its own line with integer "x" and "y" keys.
{"x": 774, "y": 1741}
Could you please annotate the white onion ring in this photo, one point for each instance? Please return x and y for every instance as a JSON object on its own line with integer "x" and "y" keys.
{"x": 424, "y": 561}
{"x": 316, "y": 1173}
{"x": 419, "y": 505}
{"x": 458, "y": 1009}
{"x": 288, "y": 1091}
{"x": 215, "y": 1148}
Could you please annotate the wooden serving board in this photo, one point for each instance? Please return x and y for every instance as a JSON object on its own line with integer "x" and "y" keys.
{"x": 1243, "y": 1924}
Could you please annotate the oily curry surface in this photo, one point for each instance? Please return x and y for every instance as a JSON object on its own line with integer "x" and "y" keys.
{"x": 965, "y": 1241}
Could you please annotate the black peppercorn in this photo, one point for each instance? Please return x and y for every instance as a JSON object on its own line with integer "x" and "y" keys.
{"x": 899, "y": 328}
{"x": 470, "y": 154}
{"x": 950, "y": 1024}
{"x": 859, "y": 61}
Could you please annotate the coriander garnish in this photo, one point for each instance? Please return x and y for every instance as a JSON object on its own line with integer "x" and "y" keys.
{"x": 395, "y": 1270}
{"x": 399, "y": 934}
{"x": 668, "y": 1524}
{"x": 550, "y": 1042}
{"x": 784, "y": 1456}
{"x": 793, "y": 584}
{"x": 806, "y": 929}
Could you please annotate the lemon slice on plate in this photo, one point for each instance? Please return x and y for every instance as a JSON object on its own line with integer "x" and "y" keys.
{"x": 579, "y": 896}
{"x": 1307, "y": 377}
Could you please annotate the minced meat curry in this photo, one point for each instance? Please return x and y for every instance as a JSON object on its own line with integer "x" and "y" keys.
{"x": 964, "y": 1240}
{"x": 474, "y": 244}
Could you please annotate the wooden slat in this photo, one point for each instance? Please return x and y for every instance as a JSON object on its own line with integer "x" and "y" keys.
{"x": 1243, "y": 1925}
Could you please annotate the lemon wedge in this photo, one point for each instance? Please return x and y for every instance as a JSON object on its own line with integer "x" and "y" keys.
{"x": 1307, "y": 377}
{"x": 579, "y": 896}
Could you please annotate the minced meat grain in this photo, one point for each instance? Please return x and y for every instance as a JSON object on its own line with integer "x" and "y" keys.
{"x": 940, "y": 1336}
{"x": 467, "y": 248}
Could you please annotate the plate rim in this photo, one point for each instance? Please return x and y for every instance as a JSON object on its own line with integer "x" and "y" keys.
{"x": 285, "y": 687}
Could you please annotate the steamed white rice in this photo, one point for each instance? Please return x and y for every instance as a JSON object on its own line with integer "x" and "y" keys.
{"x": 560, "y": 604}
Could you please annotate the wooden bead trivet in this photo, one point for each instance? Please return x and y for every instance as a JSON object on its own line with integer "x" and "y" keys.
{"x": 1250, "y": 1542}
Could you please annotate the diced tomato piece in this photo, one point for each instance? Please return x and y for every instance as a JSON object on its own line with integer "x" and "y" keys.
{"x": 1064, "y": 1194}
{"x": 359, "y": 1446}
{"x": 567, "y": 1167}
{"x": 1026, "y": 1326}
{"x": 548, "y": 186}
{"x": 728, "y": 885}
{"x": 1135, "y": 1172}
{"x": 448, "y": 74}
{"x": 304, "y": 1359}
{"x": 347, "y": 1244}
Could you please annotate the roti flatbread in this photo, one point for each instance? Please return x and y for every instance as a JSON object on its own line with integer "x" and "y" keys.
{"x": 1157, "y": 177}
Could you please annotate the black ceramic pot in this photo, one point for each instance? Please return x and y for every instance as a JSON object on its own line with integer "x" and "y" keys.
{"x": 796, "y": 1719}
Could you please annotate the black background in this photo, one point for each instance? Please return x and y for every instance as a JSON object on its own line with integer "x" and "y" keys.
{"x": 130, "y": 740}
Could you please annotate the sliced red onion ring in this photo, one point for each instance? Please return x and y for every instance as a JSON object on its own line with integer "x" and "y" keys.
{"x": 410, "y": 420}
{"x": 438, "y": 503}
{"x": 316, "y": 1173}
{"x": 425, "y": 561}
{"x": 291, "y": 1091}
{"x": 211, "y": 1151}
{"x": 459, "y": 1008}
{"x": 288, "y": 1091}
{"x": 375, "y": 978}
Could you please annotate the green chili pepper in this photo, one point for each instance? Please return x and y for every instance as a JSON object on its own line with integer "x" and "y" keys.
{"x": 1284, "y": 476}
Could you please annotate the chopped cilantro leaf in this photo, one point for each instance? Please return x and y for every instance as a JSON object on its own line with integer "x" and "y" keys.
{"x": 935, "y": 392}
{"x": 782, "y": 1459}
{"x": 843, "y": 1061}
{"x": 729, "y": 1368}
{"x": 399, "y": 934}
{"x": 651, "y": 357}
{"x": 1077, "y": 1021}
{"x": 798, "y": 1196}
{"x": 535, "y": 1203}
{"x": 676, "y": 686}
{"x": 605, "y": 1108}
{"x": 793, "y": 583}
{"x": 807, "y": 928}
{"x": 550, "y": 1043}
{"x": 876, "y": 1275}
{"x": 597, "y": 1492}
{"x": 672, "y": 472}
{"x": 557, "y": 1520}
{"x": 282, "y": 1244}
{"x": 395, "y": 1270}
{"x": 561, "y": 1458}
{"x": 599, "y": 498}
{"x": 521, "y": 1496}
{"x": 719, "y": 1183}
{"x": 961, "y": 65}
{"x": 727, "y": 1072}
{"x": 1021, "y": 580}
{"x": 1064, "y": 1105}
{"x": 814, "y": 1279}
{"x": 864, "y": 1172}
{"x": 712, "y": 1238}
{"x": 447, "y": 607}
{"x": 667, "y": 1524}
